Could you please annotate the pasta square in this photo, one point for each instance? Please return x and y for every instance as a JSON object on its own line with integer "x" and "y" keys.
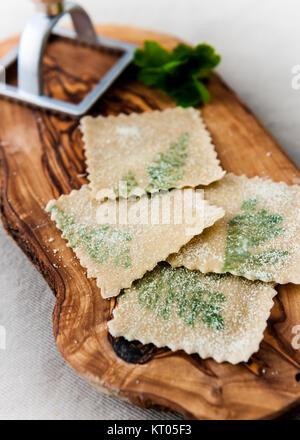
{"x": 218, "y": 316}
{"x": 149, "y": 152}
{"x": 259, "y": 236}
{"x": 119, "y": 240}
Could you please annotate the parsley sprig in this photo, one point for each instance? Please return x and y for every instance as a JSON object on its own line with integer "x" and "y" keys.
{"x": 181, "y": 73}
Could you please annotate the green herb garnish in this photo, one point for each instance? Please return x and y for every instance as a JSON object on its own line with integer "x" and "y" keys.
{"x": 183, "y": 290}
{"x": 166, "y": 168}
{"x": 246, "y": 231}
{"x": 181, "y": 73}
{"x": 102, "y": 243}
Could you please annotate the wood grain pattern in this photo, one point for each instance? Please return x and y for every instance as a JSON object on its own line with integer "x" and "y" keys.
{"x": 42, "y": 157}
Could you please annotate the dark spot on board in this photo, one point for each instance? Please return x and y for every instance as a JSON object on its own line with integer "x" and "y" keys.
{"x": 134, "y": 352}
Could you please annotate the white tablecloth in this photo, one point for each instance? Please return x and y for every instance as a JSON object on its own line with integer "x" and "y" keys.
{"x": 260, "y": 44}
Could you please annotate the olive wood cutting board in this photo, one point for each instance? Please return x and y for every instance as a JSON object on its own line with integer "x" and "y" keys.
{"x": 41, "y": 157}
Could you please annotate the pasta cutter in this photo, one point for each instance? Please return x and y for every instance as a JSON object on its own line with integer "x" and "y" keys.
{"x": 29, "y": 56}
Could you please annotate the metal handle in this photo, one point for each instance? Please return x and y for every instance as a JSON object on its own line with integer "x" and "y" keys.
{"x": 34, "y": 39}
{"x": 50, "y": 7}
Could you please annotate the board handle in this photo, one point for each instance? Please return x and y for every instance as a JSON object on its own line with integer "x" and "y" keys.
{"x": 50, "y": 7}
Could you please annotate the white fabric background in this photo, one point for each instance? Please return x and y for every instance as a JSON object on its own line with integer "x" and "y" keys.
{"x": 260, "y": 43}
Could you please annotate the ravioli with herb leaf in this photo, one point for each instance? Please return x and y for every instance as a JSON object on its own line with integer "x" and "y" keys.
{"x": 119, "y": 240}
{"x": 161, "y": 150}
{"x": 259, "y": 236}
{"x": 214, "y": 315}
